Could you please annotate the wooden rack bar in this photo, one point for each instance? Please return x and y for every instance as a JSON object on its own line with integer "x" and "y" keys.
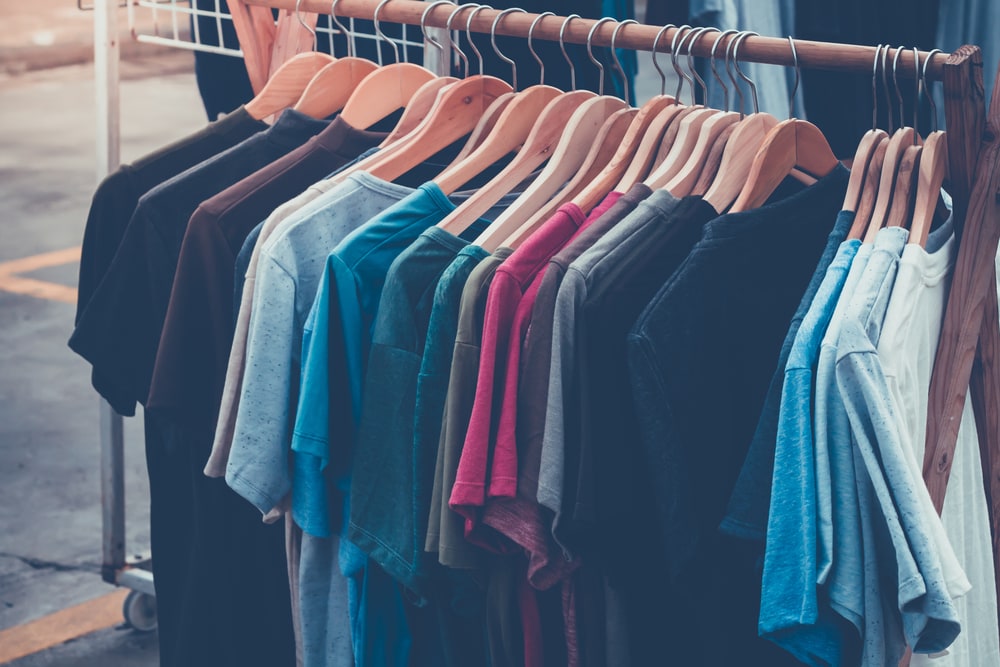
{"x": 768, "y": 50}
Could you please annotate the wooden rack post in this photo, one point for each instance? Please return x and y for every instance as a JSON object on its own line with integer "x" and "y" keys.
{"x": 967, "y": 357}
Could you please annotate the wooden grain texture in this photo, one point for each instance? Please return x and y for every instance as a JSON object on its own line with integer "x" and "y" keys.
{"x": 964, "y": 314}
{"x": 256, "y": 32}
{"x": 770, "y": 50}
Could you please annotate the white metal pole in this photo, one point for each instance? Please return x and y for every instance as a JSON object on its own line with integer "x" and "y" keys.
{"x": 108, "y": 136}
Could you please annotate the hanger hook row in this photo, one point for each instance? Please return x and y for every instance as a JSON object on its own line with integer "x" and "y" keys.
{"x": 493, "y": 41}
{"x": 562, "y": 47}
{"x": 590, "y": 51}
{"x": 531, "y": 47}
{"x": 455, "y": 46}
{"x": 695, "y": 36}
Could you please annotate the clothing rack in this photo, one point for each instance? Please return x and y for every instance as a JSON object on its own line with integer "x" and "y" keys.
{"x": 967, "y": 358}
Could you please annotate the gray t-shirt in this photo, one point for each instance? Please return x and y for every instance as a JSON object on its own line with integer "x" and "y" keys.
{"x": 581, "y": 274}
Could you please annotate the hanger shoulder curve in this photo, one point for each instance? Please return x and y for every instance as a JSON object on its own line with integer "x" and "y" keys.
{"x": 511, "y": 131}
{"x": 653, "y": 137}
{"x": 683, "y": 144}
{"x": 382, "y": 92}
{"x": 713, "y": 162}
{"x": 932, "y": 174}
{"x": 536, "y": 149}
{"x": 904, "y": 188}
{"x": 287, "y": 84}
{"x": 332, "y": 86}
{"x": 859, "y": 167}
{"x": 737, "y": 159}
{"x": 869, "y": 191}
{"x": 683, "y": 181}
{"x": 419, "y": 107}
{"x": 484, "y": 127}
{"x": 902, "y": 139}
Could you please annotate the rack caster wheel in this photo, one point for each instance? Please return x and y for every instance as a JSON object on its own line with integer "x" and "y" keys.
{"x": 139, "y": 610}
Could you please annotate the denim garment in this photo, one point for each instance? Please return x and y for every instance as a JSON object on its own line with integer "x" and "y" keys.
{"x": 930, "y": 620}
{"x": 791, "y": 614}
{"x": 747, "y": 512}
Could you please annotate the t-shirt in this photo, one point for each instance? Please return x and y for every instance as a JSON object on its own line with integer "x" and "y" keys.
{"x": 536, "y": 354}
{"x": 290, "y": 269}
{"x": 119, "y": 331}
{"x": 194, "y": 349}
{"x": 906, "y": 349}
{"x": 747, "y": 513}
{"x": 303, "y": 205}
{"x": 445, "y": 528}
{"x": 118, "y": 194}
{"x": 791, "y": 614}
{"x": 512, "y": 278}
{"x": 335, "y": 351}
{"x": 560, "y": 463}
{"x": 700, "y": 359}
{"x": 928, "y": 573}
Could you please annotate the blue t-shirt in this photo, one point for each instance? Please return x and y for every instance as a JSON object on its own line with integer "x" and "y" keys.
{"x": 791, "y": 613}
{"x": 335, "y": 351}
{"x": 930, "y": 620}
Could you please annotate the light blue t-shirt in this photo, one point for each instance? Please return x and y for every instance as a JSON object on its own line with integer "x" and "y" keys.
{"x": 791, "y": 614}
{"x": 924, "y": 596}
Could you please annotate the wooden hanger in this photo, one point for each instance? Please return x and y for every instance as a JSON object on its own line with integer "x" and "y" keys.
{"x": 713, "y": 162}
{"x": 607, "y": 141}
{"x": 791, "y": 144}
{"x": 484, "y": 127}
{"x": 931, "y": 176}
{"x": 419, "y": 108}
{"x": 681, "y": 183}
{"x": 649, "y": 144}
{"x": 536, "y": 149}
{"x": 287, "y": 84}
{"x": 610, "y": 139}
{"x": 904, "y": 188}
{"x": 901, "y": 139}
{"x": 866, "y": 147}
{"x": 331, "y": 87}
{"x": 869, "y": 191}
{"x": 511, "y": 131}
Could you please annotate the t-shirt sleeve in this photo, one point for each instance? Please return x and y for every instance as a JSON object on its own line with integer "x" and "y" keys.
{"x": 258, "y": 467}
{"x": 504, "y": 471}
{"x": 473, "y": 467}
{"x": 930, "y": 619}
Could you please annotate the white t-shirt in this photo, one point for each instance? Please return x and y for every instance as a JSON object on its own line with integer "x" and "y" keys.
{"x": 907, "y": 348}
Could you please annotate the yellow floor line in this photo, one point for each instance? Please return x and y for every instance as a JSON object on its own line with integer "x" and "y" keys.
{"x": 11, "y": 281}
{"x": 62, "y": 626}
{"x": 42, "y": 261}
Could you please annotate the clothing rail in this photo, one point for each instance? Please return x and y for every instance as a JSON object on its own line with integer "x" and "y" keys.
{"x": 968, "y": 358}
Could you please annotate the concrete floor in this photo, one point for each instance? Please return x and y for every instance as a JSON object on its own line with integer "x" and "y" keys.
{"x": 50, "y": 531}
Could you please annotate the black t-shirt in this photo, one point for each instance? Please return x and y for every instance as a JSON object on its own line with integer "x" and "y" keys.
{"x": 119, "y": 331}
{"x": 118, "y": 194}
{"x": 193, "y": 353}
{"x": 700, "y": 360}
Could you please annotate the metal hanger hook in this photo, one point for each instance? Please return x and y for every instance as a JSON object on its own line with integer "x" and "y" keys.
{"x": 562, "y": 47}
{"x": 730, "y": 45}
{"x": 681, "y": 33}
{"x": 739, "y": 70}
{"x": 715, "y": 72}
{"x": 885, "y": 87}
{"x": 456, "y": 48}
{"x": 916, "y": 92}
{"x": 468, "y": 34}
{"x": 382, "y": 35}
{"x": 493, "y": 41}
{"x": 798, "y": 76}
{"x": 423, "y": 23}
{"x": 590, "y": 51}
{"x": 895, "y": 84}
{"x": 617, "y": 62}
{"x": 695, "y": 36}
{"x": 656, "y": 43}
{"x": 312, "y": 31}
{"x": 878, "y": 54}
{"x": 348, "y": 34}
{"x": 531, "y": 47}
{"x": 927, "y": 90}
